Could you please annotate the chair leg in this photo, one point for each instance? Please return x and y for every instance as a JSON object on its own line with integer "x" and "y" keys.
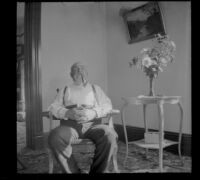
{"x": 50, "y": 161}
{"x": 126, "y": 157}
{"x": 21, "y": 164}
{"x": 114, "y": 159}
{"x": 116, "y": 169}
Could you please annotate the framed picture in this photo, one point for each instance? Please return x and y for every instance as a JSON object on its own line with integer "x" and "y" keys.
{"x": 144, "y": 22}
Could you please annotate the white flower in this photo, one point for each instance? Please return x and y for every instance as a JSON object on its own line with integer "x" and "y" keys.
{"x": 146, "y": 61}
{"x": 163, "y": 61}
{"x": 144, "y": 50}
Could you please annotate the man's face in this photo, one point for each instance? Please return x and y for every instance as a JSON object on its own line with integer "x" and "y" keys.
{"x": 79, "y": 74}
{"x": 77, "y": 78}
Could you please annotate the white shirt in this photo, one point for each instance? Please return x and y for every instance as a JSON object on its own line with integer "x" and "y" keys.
{"x": 81, "y": 95}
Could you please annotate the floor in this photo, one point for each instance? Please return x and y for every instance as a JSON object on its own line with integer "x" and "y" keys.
{"x": 37, "y": 161}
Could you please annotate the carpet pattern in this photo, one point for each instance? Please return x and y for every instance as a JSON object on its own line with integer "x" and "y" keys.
{"x": 137, "y": 162}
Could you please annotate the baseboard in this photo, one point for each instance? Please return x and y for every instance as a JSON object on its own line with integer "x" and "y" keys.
{"x": 135, "y": 133}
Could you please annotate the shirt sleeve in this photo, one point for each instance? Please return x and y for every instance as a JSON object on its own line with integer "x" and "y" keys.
{"x": 57, "y": 107}
{"x": 103, "y": 104}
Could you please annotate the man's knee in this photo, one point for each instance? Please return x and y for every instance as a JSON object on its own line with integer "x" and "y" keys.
{"x": 53, "y": 138}
{"x": 59, "y": 136}
{"x": 102, "y": 133}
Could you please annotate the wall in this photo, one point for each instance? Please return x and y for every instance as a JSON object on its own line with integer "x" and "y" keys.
{"x": 71, "y": 32}
{"x": 96, "y": 34}
{"x": 176, "y": 78}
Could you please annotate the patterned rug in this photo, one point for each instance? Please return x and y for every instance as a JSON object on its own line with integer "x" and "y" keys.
{"x": 137, "y": 162}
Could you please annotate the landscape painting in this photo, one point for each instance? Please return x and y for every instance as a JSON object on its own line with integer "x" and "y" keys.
{"x": 144, "y": 22}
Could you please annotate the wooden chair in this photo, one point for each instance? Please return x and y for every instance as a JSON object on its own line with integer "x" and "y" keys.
{"x": 106, "y": 120}
{"x": 21, "y": 164}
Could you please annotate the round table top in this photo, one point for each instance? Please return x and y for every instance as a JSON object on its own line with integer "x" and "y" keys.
{"x": 142, "y": 99}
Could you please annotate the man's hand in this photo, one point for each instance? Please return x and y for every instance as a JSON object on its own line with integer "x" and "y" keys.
{"x": 72, "y": 114}
{"x": 81, "y": 114}
{"x": 86, "y": 115}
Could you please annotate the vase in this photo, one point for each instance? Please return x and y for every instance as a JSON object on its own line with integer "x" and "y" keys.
{"x": 151, "y": 86}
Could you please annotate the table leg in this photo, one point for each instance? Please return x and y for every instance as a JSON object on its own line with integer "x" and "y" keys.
{"x": 161, "y": 135}
{"x": 180, "y": 132}
{"x": 50, "y": 161}
{"x": 125, "y": 133}
{"x": 145, "y": 123}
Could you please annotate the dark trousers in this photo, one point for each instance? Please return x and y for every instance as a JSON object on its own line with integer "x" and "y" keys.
{"x": 61, "y": 139}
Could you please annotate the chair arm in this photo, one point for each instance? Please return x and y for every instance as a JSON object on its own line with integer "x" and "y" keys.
{"x": 114, "y": 111}
{"x": 109, "y": 117}
{"x": 49, "y": 115}
{"x": 45, "y": 114}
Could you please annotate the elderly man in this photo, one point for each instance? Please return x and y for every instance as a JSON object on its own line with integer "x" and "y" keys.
{"x": 89, "y": 104}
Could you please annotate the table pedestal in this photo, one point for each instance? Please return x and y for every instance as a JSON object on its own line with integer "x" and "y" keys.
{"x": 159, "y": 101}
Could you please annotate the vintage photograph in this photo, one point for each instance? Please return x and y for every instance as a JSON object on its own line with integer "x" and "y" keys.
{"x": 144, "y": 22}
{"x": 91, "y": 102}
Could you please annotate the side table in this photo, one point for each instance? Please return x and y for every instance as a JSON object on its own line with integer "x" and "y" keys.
{"x": 159, "y": 101}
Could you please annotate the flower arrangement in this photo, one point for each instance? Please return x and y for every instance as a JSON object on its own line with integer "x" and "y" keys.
{"x": 152, "y": 60}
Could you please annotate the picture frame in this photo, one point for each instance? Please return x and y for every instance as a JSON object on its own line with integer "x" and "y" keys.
{"x": 144, "y": 22}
